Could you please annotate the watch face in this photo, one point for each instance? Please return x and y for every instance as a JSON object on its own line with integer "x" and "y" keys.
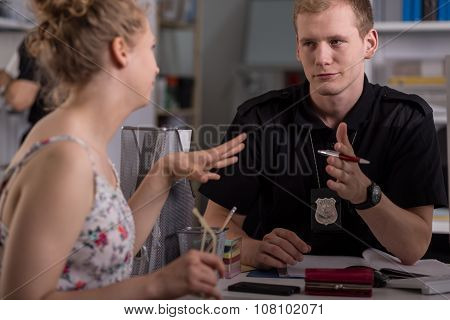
{"x": 376, "y": 194}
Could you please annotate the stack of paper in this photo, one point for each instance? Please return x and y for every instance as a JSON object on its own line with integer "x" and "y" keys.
{"x": 232, "y": 257}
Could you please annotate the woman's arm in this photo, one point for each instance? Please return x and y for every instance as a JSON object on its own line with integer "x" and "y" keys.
{"x": 45, "y": 211}
{"x": 193, "y": 273}
{"x": 148, "y": 200}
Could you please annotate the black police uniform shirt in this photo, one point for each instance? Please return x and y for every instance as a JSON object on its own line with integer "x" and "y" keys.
{"x": 271, "y": 183}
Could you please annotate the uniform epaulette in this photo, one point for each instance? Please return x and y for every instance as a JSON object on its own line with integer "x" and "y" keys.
{"x": 412, "y": 99}
{"x": 263, "y": 99}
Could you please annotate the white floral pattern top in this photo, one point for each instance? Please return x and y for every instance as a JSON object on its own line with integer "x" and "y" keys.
{"x": 103, "y": 252}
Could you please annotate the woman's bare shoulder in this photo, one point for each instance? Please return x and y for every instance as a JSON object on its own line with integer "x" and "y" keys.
{"x": 59, "y": 175}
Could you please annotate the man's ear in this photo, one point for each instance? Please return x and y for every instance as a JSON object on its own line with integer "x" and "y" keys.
{"x": 371, "y": 44}
{"x": 119, "y": 52}
{"x": 297, "y": 52}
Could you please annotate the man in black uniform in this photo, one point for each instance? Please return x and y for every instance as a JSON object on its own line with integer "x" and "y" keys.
{"x": 293, "y": 201}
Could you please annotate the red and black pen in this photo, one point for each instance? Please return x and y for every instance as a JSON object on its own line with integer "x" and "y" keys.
{"x": 344, "y": 157}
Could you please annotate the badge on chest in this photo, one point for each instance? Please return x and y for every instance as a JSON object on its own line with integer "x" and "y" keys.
{"x": 325, "y": 210}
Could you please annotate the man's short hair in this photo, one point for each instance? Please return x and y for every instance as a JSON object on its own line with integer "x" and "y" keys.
{"x": 361, "y": 8}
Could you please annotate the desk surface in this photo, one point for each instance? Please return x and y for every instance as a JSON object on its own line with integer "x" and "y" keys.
{"x": 378, "y": 293}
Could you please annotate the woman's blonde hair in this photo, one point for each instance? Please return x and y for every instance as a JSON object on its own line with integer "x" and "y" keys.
{"x": 361, "y": 8}
{"x": 73, "y": 36}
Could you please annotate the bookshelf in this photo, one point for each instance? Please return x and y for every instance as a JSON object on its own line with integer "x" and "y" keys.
{"x": 413, "y": 52}
{"x": 178, "y": 87}
{"x": 424, "y": 26}
{"x": 177, "y": 25}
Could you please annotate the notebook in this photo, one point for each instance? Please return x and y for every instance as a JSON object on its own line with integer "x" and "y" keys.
{"x": 372, "y": 258}
{"x": 427, "y": 285}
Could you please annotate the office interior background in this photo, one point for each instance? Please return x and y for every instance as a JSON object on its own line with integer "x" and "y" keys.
{"x": 215, "y": 54}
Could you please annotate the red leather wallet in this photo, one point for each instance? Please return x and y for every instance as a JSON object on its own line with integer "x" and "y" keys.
{"x": 351, "y": 282}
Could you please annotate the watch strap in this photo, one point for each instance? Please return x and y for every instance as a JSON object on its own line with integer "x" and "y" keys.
{"x": 369, "y": 203}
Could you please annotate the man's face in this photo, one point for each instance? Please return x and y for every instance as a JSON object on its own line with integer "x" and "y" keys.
{"x": 330, "y": 48}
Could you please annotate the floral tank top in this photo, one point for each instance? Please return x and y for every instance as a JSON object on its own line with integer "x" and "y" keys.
{"x": 103, "y": 253}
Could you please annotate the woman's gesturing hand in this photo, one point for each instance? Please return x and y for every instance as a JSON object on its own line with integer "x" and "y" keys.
{"x": 197, "y": 165}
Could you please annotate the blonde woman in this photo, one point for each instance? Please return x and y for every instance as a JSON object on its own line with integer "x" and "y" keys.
{"x": 66, "y": 231}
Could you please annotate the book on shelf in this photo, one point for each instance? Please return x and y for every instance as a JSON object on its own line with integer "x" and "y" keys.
{"x": 443, "y": 10}
{"x": 393, "y": 10}
{"x": 407, "y": 10}
{"x": 172, "y": 120}
{"x": 430, "y": 8}
{"x": 417, "y": 80}
{"x": 417, "y": 10}
{"x": 422, "y": 77}
{"x": 174, "y": 92}
{"x": 411, "y": 10}
{"x": 387, "y": 10}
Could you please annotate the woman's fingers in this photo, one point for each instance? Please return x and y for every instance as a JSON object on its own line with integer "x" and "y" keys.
{"x": 213, "y": 261}
{"x": 233, "y": 151}
{"x": 207, "y": 275}
{"x": 200, "y": 162}
{"x": 205, "y": 177}
{"x": 226, "y": 148}
{"x": 208, "y": 290}
{"x": 212, "y": 156}
{"x": 224, "y": 163}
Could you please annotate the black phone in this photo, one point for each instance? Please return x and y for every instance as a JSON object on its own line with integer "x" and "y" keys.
{"x": 264, "y": 288}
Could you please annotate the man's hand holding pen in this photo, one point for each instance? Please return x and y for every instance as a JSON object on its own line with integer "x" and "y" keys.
{"x": 351, "y": 183}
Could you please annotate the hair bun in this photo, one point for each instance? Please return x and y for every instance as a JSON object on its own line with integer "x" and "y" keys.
{"x": 61, "y": 9}
{"x": 68, "y": 27}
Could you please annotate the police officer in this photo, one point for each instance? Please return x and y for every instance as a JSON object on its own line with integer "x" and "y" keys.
{"x": 293, "y": 201}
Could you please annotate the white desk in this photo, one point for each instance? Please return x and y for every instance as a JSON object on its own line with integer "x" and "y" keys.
{"x": 378, "y": 293}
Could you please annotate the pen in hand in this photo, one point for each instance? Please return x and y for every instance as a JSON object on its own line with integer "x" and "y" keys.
{"x": 332, "y": 153}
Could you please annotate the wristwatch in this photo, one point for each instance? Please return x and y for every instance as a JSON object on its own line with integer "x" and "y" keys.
{"x": 373, "y": 197}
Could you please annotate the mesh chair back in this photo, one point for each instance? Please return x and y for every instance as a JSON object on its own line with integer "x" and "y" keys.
{"x": 140, "y": 148}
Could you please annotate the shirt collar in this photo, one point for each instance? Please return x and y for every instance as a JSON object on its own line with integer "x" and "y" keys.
{"x": 357, "y": 115}
{"x": 360, "y": 111}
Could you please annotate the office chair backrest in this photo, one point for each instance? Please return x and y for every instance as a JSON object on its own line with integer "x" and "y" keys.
{"x": 140, "y": 148}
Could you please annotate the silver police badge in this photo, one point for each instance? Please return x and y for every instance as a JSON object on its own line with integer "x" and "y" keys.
{"x": 326, "y": 212}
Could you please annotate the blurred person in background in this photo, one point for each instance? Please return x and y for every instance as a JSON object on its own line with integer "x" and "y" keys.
{"x": 25, "y": 91}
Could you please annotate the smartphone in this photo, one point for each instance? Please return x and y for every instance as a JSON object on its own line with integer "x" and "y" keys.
{"x": 264, "y": 288}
